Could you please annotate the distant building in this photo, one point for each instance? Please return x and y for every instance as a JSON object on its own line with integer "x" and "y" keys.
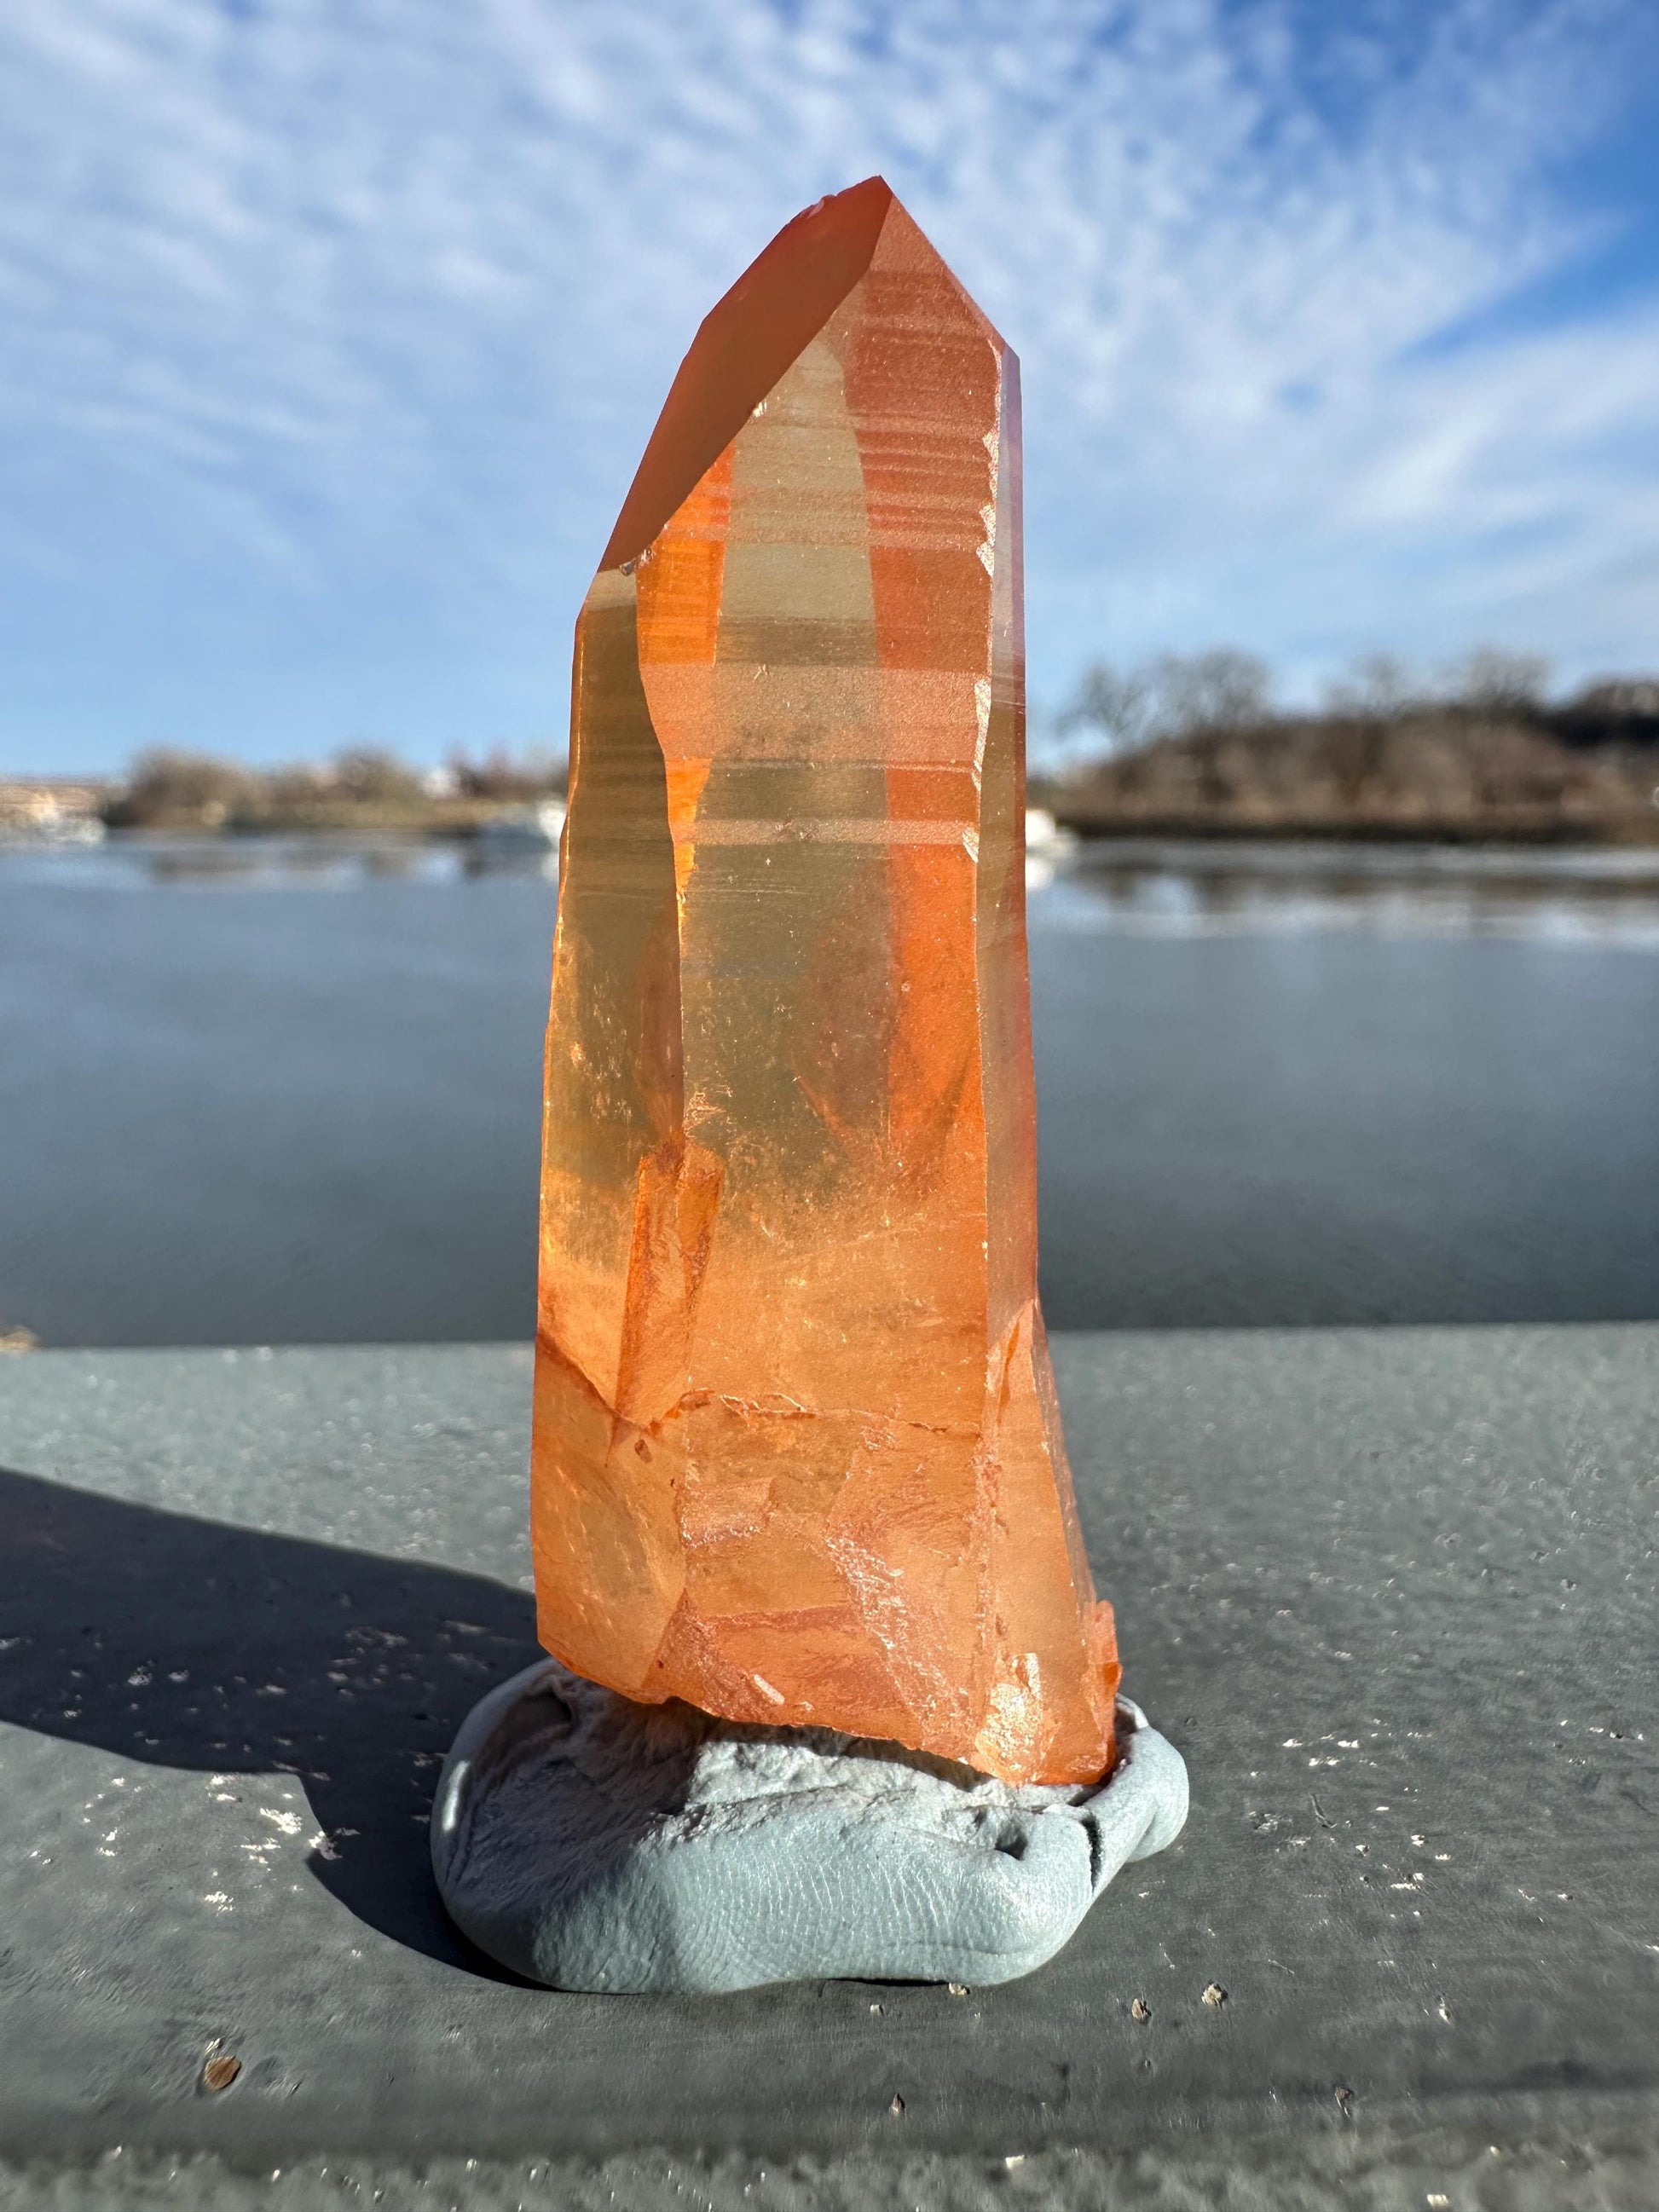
{"x": 1632, "y": 697}
{"x": 52, "y": 805}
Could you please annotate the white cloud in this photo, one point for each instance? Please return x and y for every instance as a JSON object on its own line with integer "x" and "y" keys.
{"x": 369, "y": 306}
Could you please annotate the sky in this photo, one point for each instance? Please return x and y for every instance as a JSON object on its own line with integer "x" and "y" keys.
{"x": 331, "y": 330}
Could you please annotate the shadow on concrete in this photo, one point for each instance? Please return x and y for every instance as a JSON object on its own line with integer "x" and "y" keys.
{"x": 185, "y": 1644}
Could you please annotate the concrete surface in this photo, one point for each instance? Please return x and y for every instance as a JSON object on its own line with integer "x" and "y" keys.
{"x": 1391, "y": 1593}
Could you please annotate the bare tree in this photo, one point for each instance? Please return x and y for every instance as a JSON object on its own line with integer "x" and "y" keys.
{"x": 534, "y": 774}
{"x": 167, "y": 788}
{"x": 1116, "y": 702}
{"x": 1493, "y": 680}
{"x": 1176, "y": 694}
{"x": 370, "y": 774}
{"x": 1376, "y": 684}
{"x": 1224, "y": 688}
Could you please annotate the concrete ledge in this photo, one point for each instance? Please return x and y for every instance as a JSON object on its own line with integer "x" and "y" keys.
{"x": 1392, "y": 1593}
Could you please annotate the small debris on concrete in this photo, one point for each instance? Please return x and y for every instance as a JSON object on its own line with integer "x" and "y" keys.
{"x": 1439, "y": 2197}
{"x": 1216, "y": 1995}
{"x": 1344, "y": 2102}
{"x": 220, "y": 2071}
{"x": 1015, "y": 2158}
{"x": 1140, "y": 2010}
{"x": 897, "y": 2108}
{"x": 1443, "y": 2009}
{"x": 957, "y": 1989}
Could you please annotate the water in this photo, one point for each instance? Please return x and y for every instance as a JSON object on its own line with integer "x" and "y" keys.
{"x": 288, "y": 1092}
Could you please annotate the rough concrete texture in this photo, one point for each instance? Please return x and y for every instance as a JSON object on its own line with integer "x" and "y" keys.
{"x": 1375, "y": 2167}
{"x": 593, "y": 1844}
{"x": 1392, "y": 1593}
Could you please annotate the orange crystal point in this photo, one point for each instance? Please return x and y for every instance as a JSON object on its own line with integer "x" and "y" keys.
{"x": 797, "y": 1457}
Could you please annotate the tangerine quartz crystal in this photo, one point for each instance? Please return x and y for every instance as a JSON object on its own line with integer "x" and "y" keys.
{"x": 797, "y": 1457}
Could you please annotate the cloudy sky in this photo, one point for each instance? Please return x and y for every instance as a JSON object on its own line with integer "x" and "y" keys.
{"x": 331, "y": 329}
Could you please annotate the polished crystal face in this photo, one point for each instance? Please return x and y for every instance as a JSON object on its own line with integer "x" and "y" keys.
{"x": 797, "y": 1457}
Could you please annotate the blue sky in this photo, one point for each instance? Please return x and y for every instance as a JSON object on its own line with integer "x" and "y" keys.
{"x": 331, "y": 329}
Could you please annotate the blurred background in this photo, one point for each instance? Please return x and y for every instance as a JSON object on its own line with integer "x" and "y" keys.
{"x": 330, "y": 331}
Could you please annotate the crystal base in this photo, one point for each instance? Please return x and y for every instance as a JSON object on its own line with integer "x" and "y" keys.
{"x": 590, "y": 1843}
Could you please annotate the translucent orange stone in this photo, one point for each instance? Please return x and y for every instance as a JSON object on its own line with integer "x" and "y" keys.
{"x": 797, "y": 1457}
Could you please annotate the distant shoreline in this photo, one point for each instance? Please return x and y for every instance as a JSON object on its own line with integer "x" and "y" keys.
{"x": 1195, "y": 842}
{"x": 1384, "y": 859}
{"x": 1528, "y": 833}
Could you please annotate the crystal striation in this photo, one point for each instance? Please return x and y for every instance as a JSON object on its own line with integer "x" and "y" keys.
{"x": 797, "y": 1457}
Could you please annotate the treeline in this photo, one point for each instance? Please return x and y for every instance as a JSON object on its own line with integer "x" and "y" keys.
{"x": 1183, "y": 744}
{"x": 364, "y": 788}
{"x": 1196, "y": 745}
